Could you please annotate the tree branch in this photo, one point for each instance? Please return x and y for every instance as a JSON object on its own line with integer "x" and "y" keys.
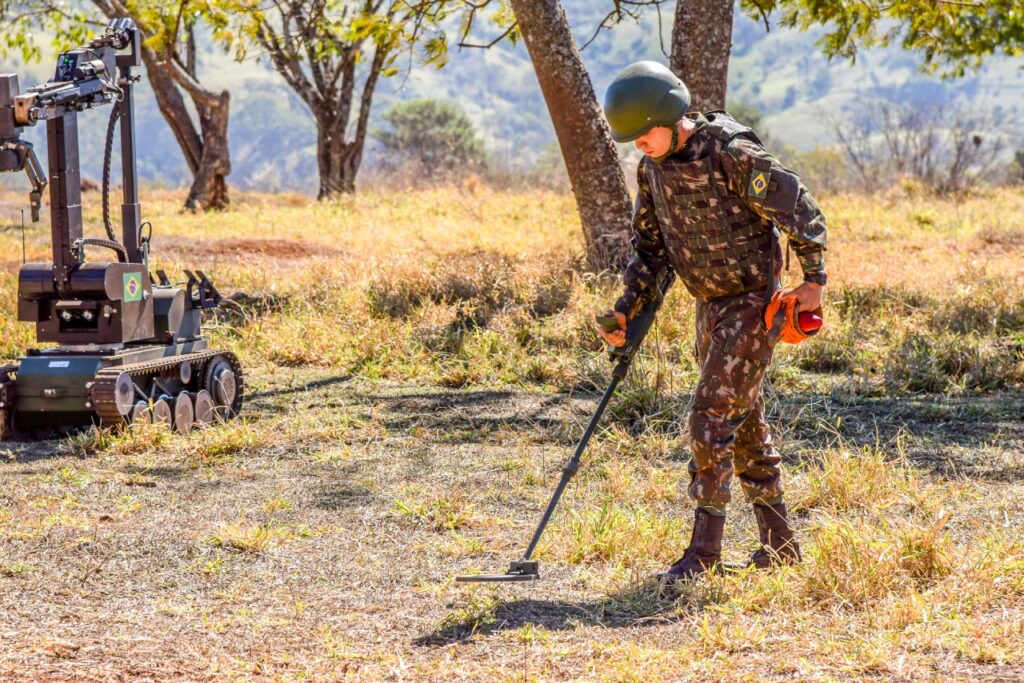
{"x": 287, "y": 64}
{"x": 348, "y": 84}
{"x": 494, "y": 42}
{"x": 189, "y": 84}
{"x": 366, "y": 100}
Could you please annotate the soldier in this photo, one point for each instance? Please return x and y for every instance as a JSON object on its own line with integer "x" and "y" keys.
{"x": 709, "y": 201}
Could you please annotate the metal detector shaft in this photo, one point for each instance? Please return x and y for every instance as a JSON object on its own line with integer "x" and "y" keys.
{"x": 573, "y": 465}
{"x": 635, "y": 333}
{"x": 527, "y": 569}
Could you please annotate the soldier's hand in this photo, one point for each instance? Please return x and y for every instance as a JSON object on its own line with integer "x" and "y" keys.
{"x": 808, "y": 295}
{"x": 618, "y": 337}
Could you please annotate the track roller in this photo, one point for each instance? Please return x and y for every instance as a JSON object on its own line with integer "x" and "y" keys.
{"x": 184, "y": 413}
{"x": 205, "y": 411}
{"x": 162, "y": 412}
{"x": 141, "y": 413}
{"x": 223, "y": 379}
{"x": 183, "y": 391}
{"x": 7, "y": 400}
{"x": 124, "y": 394}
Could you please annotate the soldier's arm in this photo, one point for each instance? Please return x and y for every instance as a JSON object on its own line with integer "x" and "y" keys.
{"x": 649, "y": 254}
{"x": 776, "y": 194}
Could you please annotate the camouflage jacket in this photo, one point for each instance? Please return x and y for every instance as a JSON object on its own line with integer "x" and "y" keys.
{"x": 759, "y": 192}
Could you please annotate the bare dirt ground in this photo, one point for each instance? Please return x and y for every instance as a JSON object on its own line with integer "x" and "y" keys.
{"x": 318, "y": 538}
{"x": 245, "y": 249}
{"x": 323, "y": 555}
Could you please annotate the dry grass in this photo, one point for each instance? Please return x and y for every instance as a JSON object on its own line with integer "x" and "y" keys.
{"x": 418, "y": 368}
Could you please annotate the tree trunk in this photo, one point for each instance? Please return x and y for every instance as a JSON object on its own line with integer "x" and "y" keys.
{"x": 701, "y": 44}
{"x": 205, "y": 150}
{"x": 338, "y": 159}
{"x": 331, "y": 151}
{"x": 338, "y": 167}
{"x": 210, "y": 186}
{"x": 209, "y": 189}
{"x": 590, "y": 155}
{"x": 172, "y": 107}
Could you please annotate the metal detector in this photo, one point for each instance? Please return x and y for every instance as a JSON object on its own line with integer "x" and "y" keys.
{"x": 526, "y": 569}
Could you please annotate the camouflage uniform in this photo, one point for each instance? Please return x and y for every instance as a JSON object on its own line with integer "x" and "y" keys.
{"x": 707, "y": 212}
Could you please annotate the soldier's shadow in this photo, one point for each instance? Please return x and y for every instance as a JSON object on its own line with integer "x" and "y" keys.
{"x": 641, "y": 604}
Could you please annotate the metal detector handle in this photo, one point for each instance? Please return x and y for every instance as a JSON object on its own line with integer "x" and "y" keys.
{"x": 638, "y": 327}
{"x": 527, "y": 569}
{"x": 608, "y": 323}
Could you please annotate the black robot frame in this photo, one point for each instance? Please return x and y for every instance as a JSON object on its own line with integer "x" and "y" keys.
{"x": 129, "y": 347}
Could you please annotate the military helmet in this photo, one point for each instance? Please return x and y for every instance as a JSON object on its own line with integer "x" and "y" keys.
{"x": 643, "y": 96}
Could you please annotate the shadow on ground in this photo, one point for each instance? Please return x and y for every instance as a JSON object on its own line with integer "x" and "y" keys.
{"x": 641, "y": 604}
{"x": 26, "y": 451}
{"x": 334, "y": 496}
{"x": 322, "y": 383}
{"x": 157, "y": 472}
{"x": 977, "y": 436}
{"x": 471, "y": 416}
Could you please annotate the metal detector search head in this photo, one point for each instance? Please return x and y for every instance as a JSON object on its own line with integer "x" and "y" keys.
{"x": 522, "y": 570}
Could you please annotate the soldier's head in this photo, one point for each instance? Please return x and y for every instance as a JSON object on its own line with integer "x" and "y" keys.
{"x": 643, "y": 104}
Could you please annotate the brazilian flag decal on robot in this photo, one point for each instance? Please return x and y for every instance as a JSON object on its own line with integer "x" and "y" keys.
{"x": 132, "y": 287}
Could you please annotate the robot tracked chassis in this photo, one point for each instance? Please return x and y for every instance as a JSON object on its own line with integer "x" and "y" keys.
{"x": 129, "y": 347}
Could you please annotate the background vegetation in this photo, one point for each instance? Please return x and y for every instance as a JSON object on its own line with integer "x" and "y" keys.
{"x": 420, "y": 357}
{"x": 780, "y": 72}
{"x": 419, "y": 365}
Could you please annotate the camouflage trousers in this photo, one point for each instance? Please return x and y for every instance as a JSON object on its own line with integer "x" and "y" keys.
{"x": 727, "y": 426}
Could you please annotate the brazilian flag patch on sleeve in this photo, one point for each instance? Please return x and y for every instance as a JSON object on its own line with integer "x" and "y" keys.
{"x": 759, "y": 184}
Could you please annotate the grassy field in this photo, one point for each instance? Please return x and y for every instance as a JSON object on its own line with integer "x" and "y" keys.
{"x": 418, "y": 368}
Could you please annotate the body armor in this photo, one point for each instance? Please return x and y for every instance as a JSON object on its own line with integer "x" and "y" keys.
{"x": 717, "y": 244}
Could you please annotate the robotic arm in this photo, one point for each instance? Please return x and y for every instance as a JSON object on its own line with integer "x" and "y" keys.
{"x": 84, "y": 78}
{"x": 19, "y": 155}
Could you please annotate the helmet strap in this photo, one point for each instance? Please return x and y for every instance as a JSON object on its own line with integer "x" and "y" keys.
{"x": 671, "y": 145}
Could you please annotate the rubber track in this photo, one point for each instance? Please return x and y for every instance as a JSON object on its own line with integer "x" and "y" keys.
{"x": 6, "y": 398}
{"x": 102, "y": 392}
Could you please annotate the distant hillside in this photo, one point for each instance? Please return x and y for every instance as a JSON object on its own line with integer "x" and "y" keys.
{"x": 781, "y": 72}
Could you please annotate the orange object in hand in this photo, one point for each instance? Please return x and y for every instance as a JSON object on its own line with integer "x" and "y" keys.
{"x": 784, "y": 321}
{"x": 809, "y": 322}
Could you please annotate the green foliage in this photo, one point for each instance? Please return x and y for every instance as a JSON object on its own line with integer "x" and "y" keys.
{"x": 952, "y": 35}
{"x": 167, "y": 22}
{"x": 332, "y": 53}
{"x": 436, "y": 135}
{"x": 25, "y": 23}
{"x": 71, "y": 24}
{"x": 501, "y": 16}
{"x": 332, "y": 29}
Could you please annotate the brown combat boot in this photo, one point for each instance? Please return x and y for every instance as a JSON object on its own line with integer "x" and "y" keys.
{"x": 778, "y": 545}
{"x": 705, "y": 551}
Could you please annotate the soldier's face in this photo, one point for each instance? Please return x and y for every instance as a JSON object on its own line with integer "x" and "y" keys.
{"x": 655, "y": 142}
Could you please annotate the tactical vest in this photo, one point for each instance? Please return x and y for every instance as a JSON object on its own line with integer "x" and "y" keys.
{"x": 716, "y": 244}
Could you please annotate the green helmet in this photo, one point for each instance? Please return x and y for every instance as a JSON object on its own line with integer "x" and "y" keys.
{"x": 643, "y": 96}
